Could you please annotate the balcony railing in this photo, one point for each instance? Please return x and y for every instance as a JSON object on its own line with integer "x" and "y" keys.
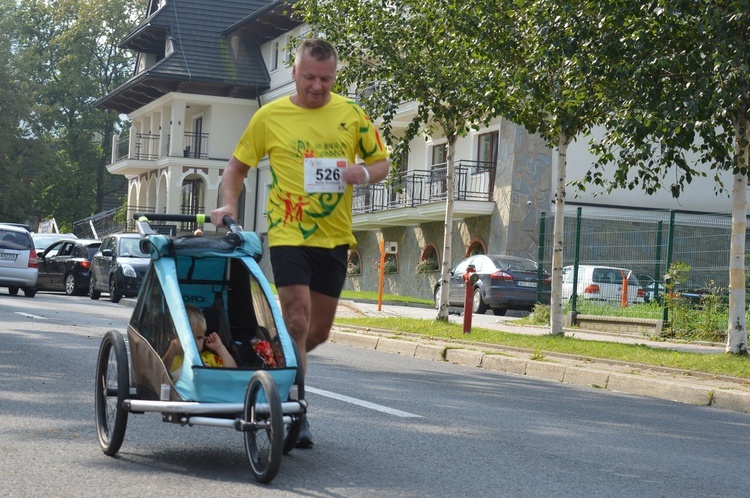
{"x": 474, "y": 181}
{"x": 146, "y": 147}
{"x": 123, "y": 147}
{"x": 195, "y": 145}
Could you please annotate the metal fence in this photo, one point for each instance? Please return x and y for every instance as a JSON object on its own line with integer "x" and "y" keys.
{"x": 645, "y": 241}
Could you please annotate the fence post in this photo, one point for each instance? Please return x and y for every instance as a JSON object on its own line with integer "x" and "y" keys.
{"x": 540, "y": 256}
{"x": 657, "y": 269}
{"x": 577, "y": 249}
{"x": 670, "y": 244}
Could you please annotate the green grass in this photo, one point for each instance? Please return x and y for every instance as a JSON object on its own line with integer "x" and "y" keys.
{"x": 373, "y": 296}
{"x": 717, "y": 364}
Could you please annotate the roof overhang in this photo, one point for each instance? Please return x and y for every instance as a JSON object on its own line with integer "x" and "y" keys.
{"x": 267, "y": 23}
{"x": 144, "y": 89}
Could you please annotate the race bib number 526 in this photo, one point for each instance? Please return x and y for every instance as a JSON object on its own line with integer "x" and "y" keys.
{"x": 323, "y": 174}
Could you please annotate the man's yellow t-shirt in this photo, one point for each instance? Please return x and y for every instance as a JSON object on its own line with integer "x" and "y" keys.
{"x": 289, "y": 134}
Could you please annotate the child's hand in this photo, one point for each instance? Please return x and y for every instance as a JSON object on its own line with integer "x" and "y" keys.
{"x": 213, "y": 341}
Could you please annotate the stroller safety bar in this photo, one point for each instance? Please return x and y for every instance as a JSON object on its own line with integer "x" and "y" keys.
{"x": 190, "y": 407}
{"x": 144, "y": 218}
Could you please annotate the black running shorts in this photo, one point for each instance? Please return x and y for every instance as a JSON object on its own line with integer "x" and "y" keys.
{"x": 323, "y": 270}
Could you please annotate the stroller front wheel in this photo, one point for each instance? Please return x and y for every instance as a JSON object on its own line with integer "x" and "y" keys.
{"x": 264, "y": 437}
{"x": 112, "y": 388}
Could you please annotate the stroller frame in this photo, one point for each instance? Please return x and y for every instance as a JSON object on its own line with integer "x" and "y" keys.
{"x": 222, "y": 277}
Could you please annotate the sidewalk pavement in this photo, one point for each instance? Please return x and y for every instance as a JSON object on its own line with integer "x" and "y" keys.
{"x": 683, "y": 386}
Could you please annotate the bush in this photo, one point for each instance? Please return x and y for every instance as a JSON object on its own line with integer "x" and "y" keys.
{"x": 540, "y": 314}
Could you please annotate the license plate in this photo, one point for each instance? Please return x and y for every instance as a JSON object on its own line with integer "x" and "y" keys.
{"x": 8, "y": 256}
{"x": 524, "y": 283}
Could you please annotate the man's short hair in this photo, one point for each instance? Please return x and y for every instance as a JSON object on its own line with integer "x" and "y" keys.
{"x": 320, "y": 49}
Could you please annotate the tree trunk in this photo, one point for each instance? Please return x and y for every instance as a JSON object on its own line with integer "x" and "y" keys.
{"x": 556, "y": 304}
{"x": 448, "y": 232}
{"x": 737, "y": 327}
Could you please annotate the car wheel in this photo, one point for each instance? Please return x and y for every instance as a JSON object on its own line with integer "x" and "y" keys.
{"x": 28, "y": 292}
{"x": 114, "y": 294}
{"x": 499, "y": 311}
{"x": 93, "y": 293}
{"x": 479, "y": 306}
{"x": 13, "y": 291}
{"x": 70, "y": 285}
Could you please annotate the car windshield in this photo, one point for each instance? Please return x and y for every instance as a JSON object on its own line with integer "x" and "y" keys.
{"x": 14, "y": 240}
{"x": 130, "y": 248}
{"x": 515, "y": 264}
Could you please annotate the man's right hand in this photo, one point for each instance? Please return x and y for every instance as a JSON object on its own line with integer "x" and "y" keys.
{"x": 218, "y": 214}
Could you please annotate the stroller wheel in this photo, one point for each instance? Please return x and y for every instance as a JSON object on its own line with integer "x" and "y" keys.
{"x": 112, "y": 388}
{"x": 264, "y": 432}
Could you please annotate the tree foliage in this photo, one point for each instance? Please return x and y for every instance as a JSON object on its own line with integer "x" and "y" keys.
{"x": 669, "y": 81}
{"x": 685, "y": 111}
{"x": 15, "y": 189}
{"x": 558, "y": 85}
{"x": 410, "y": 51}
{"x": 68, "y": 51}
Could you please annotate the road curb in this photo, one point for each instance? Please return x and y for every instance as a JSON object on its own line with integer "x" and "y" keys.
{"x": 643, "y": 382}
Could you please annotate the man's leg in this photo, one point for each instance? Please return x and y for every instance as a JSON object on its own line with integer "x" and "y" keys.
{"x": 295, "y": 308}
{"x": 321, "y": 318}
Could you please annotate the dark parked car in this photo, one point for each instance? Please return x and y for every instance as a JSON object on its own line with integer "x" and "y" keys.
{"x": 505, "y": 282}
{"x": 118, "y": 267}
{"x": 66, "y": 266}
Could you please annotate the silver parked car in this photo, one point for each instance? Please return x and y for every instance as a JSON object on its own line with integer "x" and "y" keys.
{"x": 18, "y": 261}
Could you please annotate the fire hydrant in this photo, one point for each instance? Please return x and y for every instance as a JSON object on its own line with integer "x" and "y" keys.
{"x": 470, "y": 278}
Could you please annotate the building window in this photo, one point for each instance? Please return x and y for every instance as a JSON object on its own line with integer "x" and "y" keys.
{"x": 476, "y": 246}
{"x": 438, "y": 170}
{"x": 288, "y": 50}
{"x": 429, "y": 261}
{"x": 191, "y": 200}
{"x": 400, "y": 192}
{"x": 390, "y": 265}
{"x": 487, "y": 146}
{"x": 275, "y": 56}
{"x": 354, "y": 264}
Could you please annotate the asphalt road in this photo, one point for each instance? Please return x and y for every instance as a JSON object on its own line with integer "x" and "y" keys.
{"x": 384, "y": 425}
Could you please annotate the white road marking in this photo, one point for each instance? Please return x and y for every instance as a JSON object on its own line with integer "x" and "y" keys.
{"x": 28, "y": 315}
{"x": 359, "y": 402}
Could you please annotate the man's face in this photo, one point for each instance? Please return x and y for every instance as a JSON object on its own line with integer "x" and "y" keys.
{"x": 314, "y": 80}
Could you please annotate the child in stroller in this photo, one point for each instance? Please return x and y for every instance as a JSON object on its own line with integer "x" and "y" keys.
{"x": 213, "y": 352}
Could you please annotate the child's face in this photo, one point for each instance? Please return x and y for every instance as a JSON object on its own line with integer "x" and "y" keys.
{"x": 200, "y": 338}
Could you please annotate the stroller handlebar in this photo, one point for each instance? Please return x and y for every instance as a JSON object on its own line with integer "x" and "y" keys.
{"x": 145, "y": 229}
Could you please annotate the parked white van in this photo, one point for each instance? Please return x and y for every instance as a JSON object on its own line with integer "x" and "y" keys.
{"x": 602, "y": 283}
